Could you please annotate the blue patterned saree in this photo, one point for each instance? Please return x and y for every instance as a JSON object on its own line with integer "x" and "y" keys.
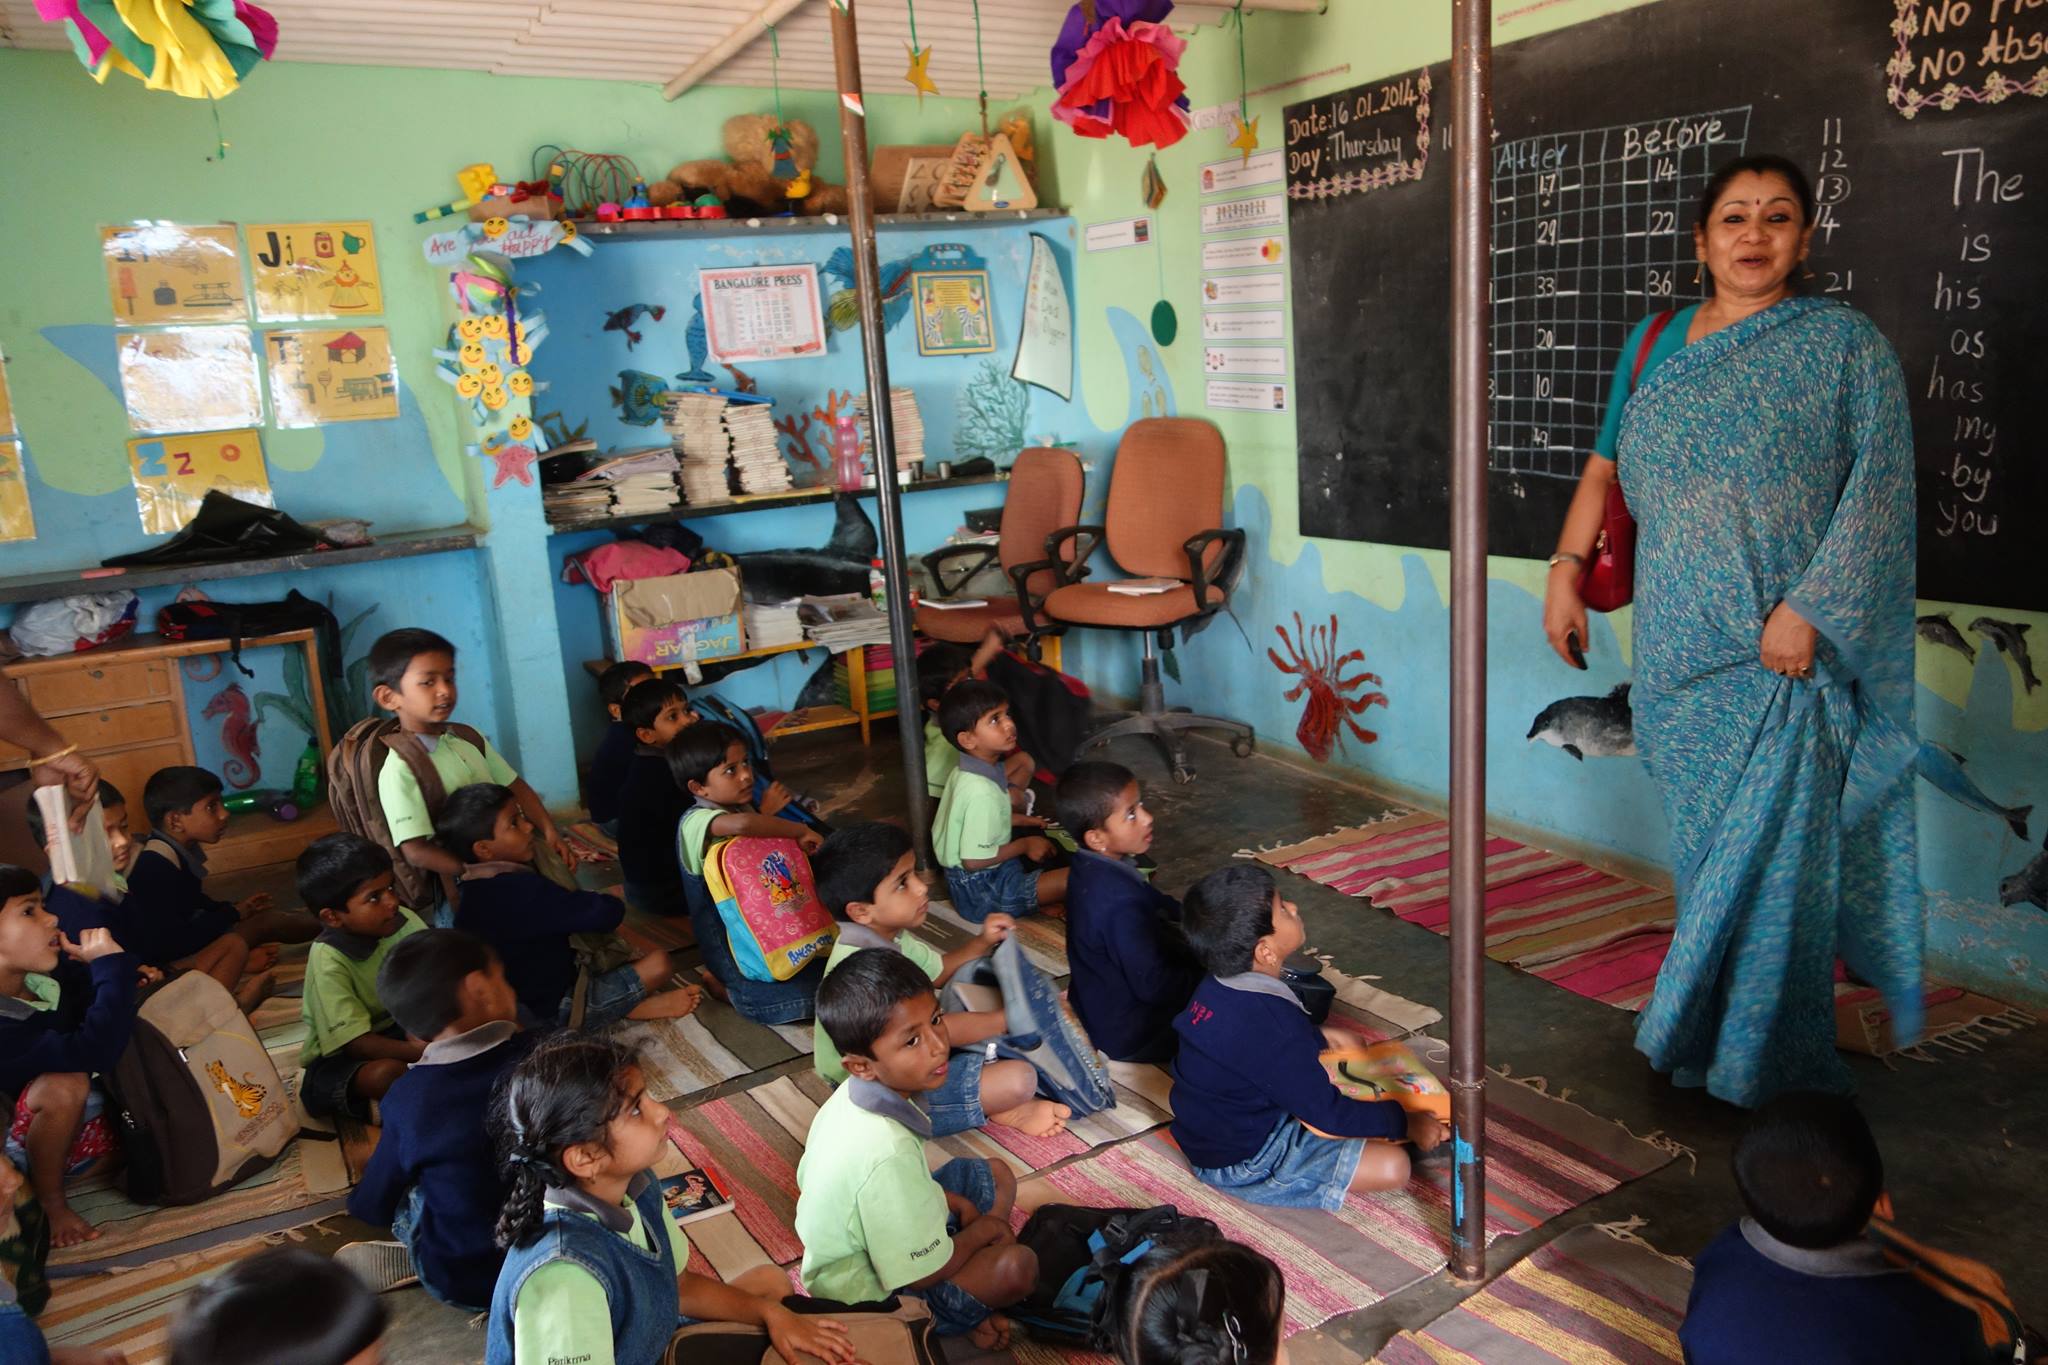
{"x": 1773, "y": 461}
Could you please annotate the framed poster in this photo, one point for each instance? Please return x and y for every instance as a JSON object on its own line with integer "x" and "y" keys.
{"x": 314, "y": 270}
{"x": 189, "y": 379}
{"x": 173, "y": 474}
{"x": 952, "y": 308}
{"x": 764, "y": 312}
{"x": 171, "y": 272}
{"x": 324, "y": 375}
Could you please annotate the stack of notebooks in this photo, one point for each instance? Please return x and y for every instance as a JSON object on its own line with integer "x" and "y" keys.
{"x": 696, "y": 428}
{"x": 906, "y": 428}
{"x": 841, "y": 622}
{"x": 881, "y": 670}
{"x": 755, "y": 454}
{"x": 631, "y": 483}
{"x": 772, "y": 624}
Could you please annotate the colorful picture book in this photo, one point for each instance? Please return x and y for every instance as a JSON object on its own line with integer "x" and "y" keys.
{"x": 1388, "y": 1071}
{"x": 696, "y": 1193}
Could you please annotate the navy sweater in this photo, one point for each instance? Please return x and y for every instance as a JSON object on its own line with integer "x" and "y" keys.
{"x": 88, "y": 1031}
{"x": 528, "y": 919}
{"x": 1754, "y": 1298}
{"x": 651, "y": 805}
{"x": 167, "y": 915}
{"x": 1132, "y": 971}
{"x": 435, "y": 1139}
{"x": 1249, "y": 1061}
{"x": 608, "y": 772}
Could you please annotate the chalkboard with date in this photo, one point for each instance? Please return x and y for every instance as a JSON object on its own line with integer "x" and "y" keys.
{"x": 1926, "y": 140}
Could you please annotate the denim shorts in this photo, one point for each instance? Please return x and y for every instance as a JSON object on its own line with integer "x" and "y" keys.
{"x": 21, "y": 1341}
{"x": 1295, "y": 1169}
{"x": 1010, "y": 887}
{"x": 955, "y": 1107}
{"x": 324, "y": 1082}
{"x": 955, "y": 1312}
{"x": 611, "y": 997}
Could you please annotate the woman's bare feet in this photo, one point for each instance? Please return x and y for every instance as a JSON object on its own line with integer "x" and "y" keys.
{"x": 675, "y": 1004}
{"x": 261, "y": 959}
{"x": 254, "y": 991}
{"x": 67, "y": 1229}
{"x": 992, "y": 1333}
{"x": 1035, "y": 1118}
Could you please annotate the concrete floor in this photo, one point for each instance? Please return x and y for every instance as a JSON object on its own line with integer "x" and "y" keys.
{"x": 1960, "y": 1137}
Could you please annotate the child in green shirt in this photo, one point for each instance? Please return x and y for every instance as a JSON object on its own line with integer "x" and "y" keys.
{"x": 938, "y": 669}
{"x": 353, "y": 1050}
{"x": 873, "y": 1218}
{"x": 987, "y": 871}
{"x": 867, "y": 877}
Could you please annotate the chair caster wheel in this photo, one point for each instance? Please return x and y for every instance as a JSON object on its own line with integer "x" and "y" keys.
{"x": 1242, "y": 747}
{"x": 1183, "y": 774}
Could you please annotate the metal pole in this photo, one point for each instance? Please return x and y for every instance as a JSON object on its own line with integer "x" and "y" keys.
{"x": 853, "y": 138}
{"x": 1471, "y": 217}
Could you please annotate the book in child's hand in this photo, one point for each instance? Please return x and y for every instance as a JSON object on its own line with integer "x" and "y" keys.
{"x": 1144, "y": 587}
{"x": 1388, "y": 1071}
{"x": 696, "y": 1193}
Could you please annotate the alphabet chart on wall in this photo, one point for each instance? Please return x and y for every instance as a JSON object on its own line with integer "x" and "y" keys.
{"x": 1592, "y": 230}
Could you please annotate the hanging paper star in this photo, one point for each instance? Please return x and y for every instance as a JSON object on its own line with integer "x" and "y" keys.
{"x": 1247, "y": 139}
{"x": 919, "y": 74}
{"x": 514, "y": 461}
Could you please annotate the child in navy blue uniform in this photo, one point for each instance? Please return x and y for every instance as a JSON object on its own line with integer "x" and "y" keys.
{"x": 433, "y": 1178}
{"x": 1254, "y": 1111}
{"x": 1797, "y": 1279}
{"x": 614, "y": 751}
{"x": 528, "y": 919}
{"x": 651, "y": 805}
{"x": 1133, "y": 969}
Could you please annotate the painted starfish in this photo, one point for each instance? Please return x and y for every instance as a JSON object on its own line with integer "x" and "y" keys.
{"x": 918, "y": 75}
{"x": 1247, "y": 139}
{"x": 514, "y": 461}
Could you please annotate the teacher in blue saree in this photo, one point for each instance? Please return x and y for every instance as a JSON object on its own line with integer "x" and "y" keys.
{"x": 1765, "y": 450}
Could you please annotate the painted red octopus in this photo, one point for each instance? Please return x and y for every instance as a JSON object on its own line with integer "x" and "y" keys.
{"x": 1330, "y": 704}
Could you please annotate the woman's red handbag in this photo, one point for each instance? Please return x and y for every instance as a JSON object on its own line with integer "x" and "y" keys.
{"x": 1609, "y": 582}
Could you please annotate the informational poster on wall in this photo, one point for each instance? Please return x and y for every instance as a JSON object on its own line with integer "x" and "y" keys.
{"x": 189, "y": 379}
{"x": 1266, "y": 286}
{"x": 760, "y": 313}
{"x": 1247, "y": 395}
{"x": 1261, "y": 211}
{"x": 1264, "y": 324}
{"x": 174, "y": 473}
{"x": 952, "y": 309}
{"x": 1045, "y": 347}
{"x": 17, "y": 522}
{"x": 1118, "y": 234}
{"x": 321, "y": 375}
{"x": 1261, "y": 168}
{"x": 304, "y": 271}
{"x": 1259, "y": 360}
{"x": 1240, "y": 252}
{"x": 174, "y": 272}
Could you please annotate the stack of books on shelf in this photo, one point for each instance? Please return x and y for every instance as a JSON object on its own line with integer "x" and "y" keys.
{"x": 631, "y": 483}
{"x": 696, "y": 428}
{"x": 772, "y": 624}
{"x": 841, "y": 622}
{"x": 906, "y": 428}
{"x": 755, "y": 453}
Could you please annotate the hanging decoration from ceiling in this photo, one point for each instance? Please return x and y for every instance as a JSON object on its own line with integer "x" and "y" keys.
{"x": 1115, "y": 66}
{"x": 919, "y": 75}
{"x": 1245, "y": 137}
{"x": 200, "y": 49}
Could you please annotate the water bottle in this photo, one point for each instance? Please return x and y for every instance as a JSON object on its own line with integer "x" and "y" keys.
{"x": 846, "y": 470}
{"x": 306, "y": 778}
{"x": 878, "y": 585}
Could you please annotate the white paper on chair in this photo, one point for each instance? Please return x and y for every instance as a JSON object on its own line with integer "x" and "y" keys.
{"x": 83, "y": 858}
{"x": 1145, "y": 587}
{"x": 958, "y": 604}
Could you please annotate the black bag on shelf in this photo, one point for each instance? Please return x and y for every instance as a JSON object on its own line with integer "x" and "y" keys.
{"x": 225, "y": 528}
{"x": 205, "y": 619}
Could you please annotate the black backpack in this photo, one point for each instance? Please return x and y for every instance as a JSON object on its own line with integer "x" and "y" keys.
{"x": 1084, "y": 1255}
{"x": 205, "y": 619}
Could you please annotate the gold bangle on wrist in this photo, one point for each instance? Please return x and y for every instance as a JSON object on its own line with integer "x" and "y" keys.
{"x": 1567, "y": 557}
{"x": 65, "y": 752}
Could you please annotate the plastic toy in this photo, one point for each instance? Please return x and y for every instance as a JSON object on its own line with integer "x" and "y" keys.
{"x": 751, "y": 181}
{"x": 475, "y": 180}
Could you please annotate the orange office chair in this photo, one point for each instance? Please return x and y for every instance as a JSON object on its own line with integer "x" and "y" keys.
{"x": 1044, "y": 496}
{"x": 1164, "y": 521}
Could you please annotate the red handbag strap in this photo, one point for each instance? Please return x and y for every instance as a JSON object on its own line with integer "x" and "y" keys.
{"x": 1656, "y": 329}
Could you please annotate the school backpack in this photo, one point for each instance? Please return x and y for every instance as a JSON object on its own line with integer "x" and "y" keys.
{"x": 352, "y": 769}
{"x": 1038, "y": 1026}
{"x": 769, "y": 903}
{"x": 202, "y": 618}
{"x": 198, "y": 1105}
{"x": 1084, "y": 1255}
{"x": 896, "y": 1331}
{"x": 1971, "y": 1285}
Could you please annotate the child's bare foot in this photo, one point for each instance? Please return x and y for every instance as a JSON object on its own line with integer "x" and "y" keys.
{"x": 1035, "y": 1118}
{"x": 254, "y": 992}
{"x": 261, "y": 959}
{"x": 992, "y": 1333}
{"x": 714, "y": 986}
{"x": 86, "y": 1355}
{"x": 67, "y": 1229}
{"x": 675, "y": 1004}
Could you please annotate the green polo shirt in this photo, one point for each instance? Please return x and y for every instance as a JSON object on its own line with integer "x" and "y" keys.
{"x": 562, "y": 1314}
{"x": 869, "y": 1214}
{"x": 460, "y": 764}
{"x": 340, "y": 1003}
{"x": 853, "y": 938}
{"x": 941, "y": 759}
{"x": 974, "y": 815}
{"x": 693, "y": 836}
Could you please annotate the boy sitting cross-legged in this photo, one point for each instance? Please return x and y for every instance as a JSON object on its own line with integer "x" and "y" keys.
{"x": 867, "y": 877}
{"x": 434, "y": 1178}
{"x": 651, "y": 805}
{"x": 939, "y": 667}
{"x": 615, "y": 751}
{"x": 1133, "y": 969}
{"x": 528, "y": 918}
{"x": 172, "y": 922}
{"x": 873, "y": 1218}
{"x": 709, "y": 762}
{"x": 1254, "y": 1111}
{"x": 986, "y": 870}
{"x": 354, "y": 1050}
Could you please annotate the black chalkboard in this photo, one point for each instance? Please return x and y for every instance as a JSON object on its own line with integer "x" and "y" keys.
{"x": 1935, "y": 225}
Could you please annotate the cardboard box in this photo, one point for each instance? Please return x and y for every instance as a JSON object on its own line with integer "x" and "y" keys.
{"x": 668, "y": 622}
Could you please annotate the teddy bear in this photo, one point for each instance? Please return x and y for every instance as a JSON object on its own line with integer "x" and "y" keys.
{"x": 746, "y": 184}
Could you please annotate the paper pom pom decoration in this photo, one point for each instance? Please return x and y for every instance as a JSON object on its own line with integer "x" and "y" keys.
{"x": 1121, "y": 77}
{"x": 197, "y": 48}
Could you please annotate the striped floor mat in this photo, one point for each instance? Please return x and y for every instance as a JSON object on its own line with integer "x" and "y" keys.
{"x": 1589, "y": 1296}
{"x": 130, "y": 1310}
{"x": 309, "y": 1179}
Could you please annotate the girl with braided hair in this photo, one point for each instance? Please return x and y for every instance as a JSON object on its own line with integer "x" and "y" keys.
{"x": 1213, "y": 1303}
